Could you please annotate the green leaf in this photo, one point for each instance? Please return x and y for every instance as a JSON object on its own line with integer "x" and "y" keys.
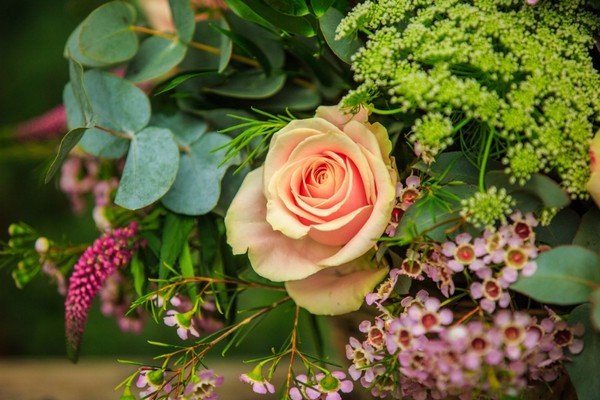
{"x": 197, "y": 187}
{"x": 541, "y": 186}
{"x": 150, "y": 168}
{"x": 187, "y": 129}
{"x": 76, "y": 80}
{"x": 118, "y": 105}
{"x": 561, "y": 230}
{"x": 565, "y": 275}
{"x": 187, "y": 267}
{"x": 595, "y": 315}
{"x": 210, "y": 33}
{"x": 343, "y": 48}
{"x": 583, "y": 367}
{"x": 106, "y": 36}
{"x": 293, "y": 97}
{"x": 183, "y": 18}
{"x": 180, "y": 79}
{"x": 434, "y": 215}
{"x": 268, "y": 42}
{"x": 71, "y": 51}
{"x": 232, "y": 180}
{"x": 588, "y": 234}
{"x": 156, "y": 57}
{"x": 176, "y": 231}
{"x": 252, "y": 84}
{"x": 249, "y": 47}
{"x": 320, "y": 7}
{"x": 262, "y": 14}
{"x": 138, "y": 274}
{"x": 67, "y": 143}
{"x": 296, "y": 8}
{"x": 451, "y": 166}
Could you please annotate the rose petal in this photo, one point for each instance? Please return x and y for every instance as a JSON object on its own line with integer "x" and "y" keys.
{"x": 341, "y": 230}
{"x": 340, "y": 118}
{"x": 288, "y": 138}
{"x": 337, "y": 290}
{"x": 272, "y": 254}
{"x": 378, "y": 220}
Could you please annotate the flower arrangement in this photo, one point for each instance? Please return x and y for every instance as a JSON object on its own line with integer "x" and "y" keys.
{"x": 425, "y": 168}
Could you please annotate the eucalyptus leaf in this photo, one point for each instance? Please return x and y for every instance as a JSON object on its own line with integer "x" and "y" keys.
{"x": 343, "y": 48}
{"x": 197, "y": 187}
{"x": 541, "y": 186}
{"x": 565, "y": 275}
{"x": 249, "y": 47}
{"x": 72, "y": 51}
{"x": 435, "y": 214}
{"x": 250, "y": 84}
{"x": 186, "y": 128}
{"x": 76, "y": 80}
{"x": 156, "y": 57}
{"x": 209, "y": 32}
{"x": 118, "y": 105}
{"x": 150, "y": 169}
{"x": 588, "y": 234}
{"x": 183, "y": 78}
{"x": 583, "y": 367}
{"x": 67, "y": 143}
{"x": 183, "y": 19}
{"x": 105, "y": 35}
{"x": 231, "y": 182}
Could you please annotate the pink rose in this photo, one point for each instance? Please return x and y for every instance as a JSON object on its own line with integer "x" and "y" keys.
{"x": 310, "y": 216}
{"x": 593, "y": 184}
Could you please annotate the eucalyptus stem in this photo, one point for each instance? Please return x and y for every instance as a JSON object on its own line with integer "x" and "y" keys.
{"x": 199, "y": 46}
{"x": 486, "y": 156}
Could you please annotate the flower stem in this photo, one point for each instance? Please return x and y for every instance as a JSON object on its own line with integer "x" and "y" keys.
{"x": 486, "y": 156}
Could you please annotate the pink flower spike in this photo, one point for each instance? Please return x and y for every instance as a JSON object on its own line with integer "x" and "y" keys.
{"x": 99, "y": 261}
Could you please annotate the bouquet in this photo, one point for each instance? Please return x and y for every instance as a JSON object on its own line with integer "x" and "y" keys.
{"x": 424, "y": 169}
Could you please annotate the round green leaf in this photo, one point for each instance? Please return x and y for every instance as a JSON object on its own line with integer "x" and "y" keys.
{"x": 253, "y": 84}
{"x": 183, "y": 19}
{"x": 565, "y": 275}
{"x": 150, "y": 168}
{"x": 72, "y": 51}
{"x": 561, "y": 230}
{"x": 117, "y": 104}
{"x": 197, "y": 187}
{"x": 583, "y": 367}
{"x": 187, "y": 129}
{"x": 343, "y": 48}
{"x": 156, "y": 57}
{"x": 105, "y": 35}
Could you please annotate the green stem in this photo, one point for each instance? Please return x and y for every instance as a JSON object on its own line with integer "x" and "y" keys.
{"x": 486, "y": 156}
{"x": 382, "y": 112}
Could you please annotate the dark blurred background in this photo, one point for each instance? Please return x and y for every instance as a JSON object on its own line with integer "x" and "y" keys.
{"x": 33, "y": 73}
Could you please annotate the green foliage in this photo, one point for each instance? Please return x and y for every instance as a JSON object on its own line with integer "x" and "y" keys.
{"x": 156, "y": 57}
{"x": 588, "y": 234}
{"x": 434, "y": 216}
{"x": 583, "y": 366}
{"x": 197, "y": 187}
{"x": 565, "y": 275}
{"x": 105, "y": 36}
{"x": 150, "y": 169}
{"x": 175, "y": 233}
{"x": 345, "y": 47}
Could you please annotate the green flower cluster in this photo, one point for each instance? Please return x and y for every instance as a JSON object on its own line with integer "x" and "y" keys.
{"x": 476, "y": 68}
